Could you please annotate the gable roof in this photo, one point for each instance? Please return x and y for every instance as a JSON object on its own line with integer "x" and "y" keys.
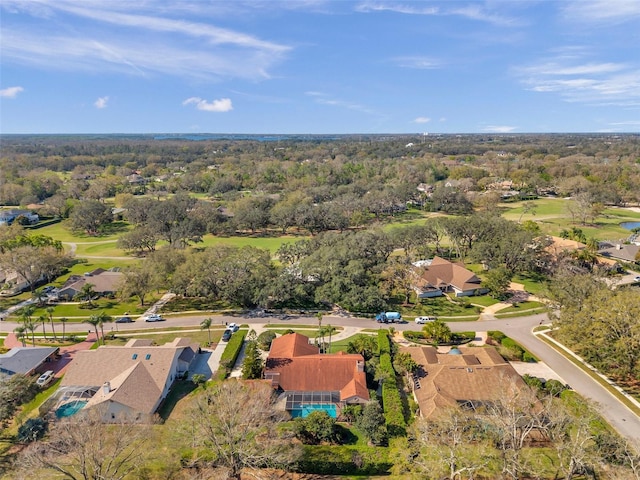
{"x": 136, "y": 369}
{"x": 24, "y": 360}
{"x": 102, "y": 281}
{"x": 442, "y": 273}
{"x": 446, "y": 380}
{"x": 298, "y": 366}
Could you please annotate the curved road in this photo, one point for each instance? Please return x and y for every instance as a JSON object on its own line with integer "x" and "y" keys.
{"x": 520, "y": 329}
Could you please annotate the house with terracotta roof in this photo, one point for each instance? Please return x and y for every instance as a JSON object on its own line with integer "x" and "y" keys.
{"x": 130, "y": 381}
{"x": 465, "y": 377}
{"x": 440, "y": 276}
{"x": 311, "y": 381}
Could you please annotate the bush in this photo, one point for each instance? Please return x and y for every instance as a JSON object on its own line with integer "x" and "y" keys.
{"x": 230, "y": 354}
{"x": 316, "y": 428}
{"x": 554, "y": 387}
{"x": 33, "y": 429}
{"x": 391, "y": 401}
{"x": 496, "y": 336}
{"x": 265, "y": 339}
{"x": 384, "y": 345}
{"x": 372, "y": 423}
{"x": 198, "y": 378}
{"x": 344, "y": 460}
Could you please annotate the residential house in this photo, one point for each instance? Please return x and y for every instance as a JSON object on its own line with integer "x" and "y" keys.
{"x": 619, "y": 251}
{"x": 26, "y": 360}
{"x": 440, "y": 276}
{"x": 310, "y": 381}
{"x": 105, "y": 282}
{"x": 129, "y": 381}
{"x": 465, "y": 377}
{"x": 7, "y": 217}
{"x": 12, "y": 283}
{"x": 560, "y": 246}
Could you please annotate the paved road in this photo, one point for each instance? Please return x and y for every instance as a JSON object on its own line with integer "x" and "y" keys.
{"x": 618, "y": 415}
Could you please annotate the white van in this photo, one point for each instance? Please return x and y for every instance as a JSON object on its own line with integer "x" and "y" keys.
{"x": 423, "y": 320}
{"x": 45, "y": 378}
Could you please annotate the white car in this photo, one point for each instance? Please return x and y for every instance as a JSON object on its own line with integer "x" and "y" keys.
{"x": 45, "y": 378}
{"x": 233, "y": 327}
{"x": 423, "y": 320}
{"x": 154, "y": 317}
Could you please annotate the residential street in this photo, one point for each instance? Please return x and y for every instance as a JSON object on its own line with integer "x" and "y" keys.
{"x": 520, "y": 329}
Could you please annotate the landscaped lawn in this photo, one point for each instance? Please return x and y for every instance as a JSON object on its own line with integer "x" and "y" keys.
{"x": 341, "y": 345}
{"x": 110, "y": 307}
{"x": 484, "y": 300}
{"x": 61, "y": 231}
{"x": 201, "y": 337}
{"x": 441, "y": 307}
{"x": 521, "y": 307}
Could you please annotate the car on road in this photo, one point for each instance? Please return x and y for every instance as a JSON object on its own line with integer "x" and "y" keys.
{"x": 45, "y": 378}
{"x": 233, "y": 327}
{"x": 124, "y": 319}
{"x": 636, "y": 279}
{"x": 423, "y": 320}
{"x": 226, "y": 335}
{"x": 154, "y": 317}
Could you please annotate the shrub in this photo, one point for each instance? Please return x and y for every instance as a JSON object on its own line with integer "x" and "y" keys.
{"x": 230, "y": 354}
{"x": 384, "y": 345}
{"x": 372, "y": 423}
{"x": 33, "y": 429}
{"x": 344, "y": 460}
{"x": 198, "y": 378}
{"x": 265, "y": 339}
{"x": 496, "y": 336}
{"x": 554, "y": 387}
{"x": 316, "y": 428}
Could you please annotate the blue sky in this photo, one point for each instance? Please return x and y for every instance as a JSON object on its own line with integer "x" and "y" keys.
{"x": 112, "y": 66}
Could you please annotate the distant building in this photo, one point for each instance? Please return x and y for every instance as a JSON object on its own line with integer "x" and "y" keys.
{"x": 7, "y": 217}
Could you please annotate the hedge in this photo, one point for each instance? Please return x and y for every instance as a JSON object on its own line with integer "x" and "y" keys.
{"x": 391, "y": 400}
{"x": 384, "y": 345}
{"x": 230, "y": 354}
{"x": 344, "y": 460}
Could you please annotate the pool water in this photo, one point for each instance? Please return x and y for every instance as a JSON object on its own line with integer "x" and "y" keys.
{"x": 70, "y": 408}
{"x": 304, "y": 410}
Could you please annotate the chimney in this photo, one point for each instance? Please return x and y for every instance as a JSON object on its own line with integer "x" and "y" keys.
{"x": 106, "y": 388}
{"x": 618, "y": 246}
{"x": 360, "y": 366}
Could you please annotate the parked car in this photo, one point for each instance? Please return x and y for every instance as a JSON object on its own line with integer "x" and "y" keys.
{"x": 226, "y": 336}
{"x": 45, "y": 378}
{"x": 154, "y": 317}
{"x": 124, "y": 319}
{"x": 423, "y": 320}
{"x": 48, "y": 289}
{"x": 636, "y": 279}
{"x": 233, "y": 327}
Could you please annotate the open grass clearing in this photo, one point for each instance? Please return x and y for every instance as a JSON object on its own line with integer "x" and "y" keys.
{"x": 61, "y": 231}
{"x": 523, "y": 306}
{"x": 160, "y": 338}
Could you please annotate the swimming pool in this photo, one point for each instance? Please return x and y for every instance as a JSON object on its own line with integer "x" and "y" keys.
{"x": 70, "y": 408}
{"x": 306, "y": 409}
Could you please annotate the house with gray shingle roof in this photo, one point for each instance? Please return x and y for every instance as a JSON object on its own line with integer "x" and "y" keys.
{"x": 130, "y": 381}
{"x": 25, "y": 360}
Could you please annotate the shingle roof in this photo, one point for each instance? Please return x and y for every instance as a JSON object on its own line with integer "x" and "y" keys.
{"x": 301, "y": 368}
{"x": 24, "y": 359}
{"x": 448, "y": 379}
{"x": 442, "y": 273}
{"x": 133, "y": 370}
{"x": 105, "y": 281}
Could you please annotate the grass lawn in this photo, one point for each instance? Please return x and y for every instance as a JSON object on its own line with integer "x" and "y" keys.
{"x": 201, "y": 337}
{"x": 102, "y": 249}
{"x": 111, "y": 307}
{"x": 522, "y": 306}
{"x": 441, "y": 307}
{"x": 484, "y": 300}
{"x": 180, "y": 390}
{"x": 533, "y": 283}
{"x": 61, "y": 231}
{"x": 266, "y": 243}
{"x": 341, "y": 345}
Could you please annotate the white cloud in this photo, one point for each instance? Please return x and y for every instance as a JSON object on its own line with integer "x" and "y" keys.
{"x": 221, "y": 105}
{"x": 11, "y": 92}
{"x": 422, "y": 63}
{"x": 422, "y": 120}
{"x": 576, "y": 79}
{"x": 499, "y": 128}
{"x": 602, "y": 11}
{"x": 101, "y": 102}
{"x": 133, "y": 38}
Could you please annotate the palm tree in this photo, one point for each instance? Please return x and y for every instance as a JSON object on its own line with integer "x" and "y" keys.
{"x": 53, "y": 328}
{"x": 94, "y": 321}
{"x": 42, "y": 319}
{"x": 38, "y": 295}
{"x": 87, "y": 293}
{"x": 30, "y": 326}
{"x": 102, "y": 319}
{"x": 206, "y": 323}
{"x": 20, "y": 333}
{"x": 64, "y": 321}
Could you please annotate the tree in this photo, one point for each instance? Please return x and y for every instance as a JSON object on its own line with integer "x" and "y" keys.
{"x": 43, "y": 319}
{"x": 399, "y": 275}
{"x": 50, "y": 311}
{"x": 252, "y": 364}
{"x": 498, "y": 281}
{"x": 265, "y": 338}
{"x": 14, "y": 391}
{"x": 94, "y": 321}
{"x": 437, "y": 331}
{"x": 83, "y": 448}
{"x": 365, "y": 345}
{"x": 447, "y": 437}
{"x": 317, "y": 427}
{"x": 206, "y": 323}
{"x": 20, "y": 332}
{"x": 87, "y": 292}
{"x": 372, "y": 423}
{"x": 404, "y": 363}
{"x": 101, "y": 318}
{"x": 140, "y": 239}
{"x": 138, "y": 280}
{"x": 236, "y": 423}
{"x": 90, "y": 216}
{"x": 64, "y": 321}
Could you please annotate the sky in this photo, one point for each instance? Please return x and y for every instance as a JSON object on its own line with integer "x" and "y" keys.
{"x": 319, "y": 67}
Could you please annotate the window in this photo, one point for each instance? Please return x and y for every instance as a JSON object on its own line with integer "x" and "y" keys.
{"x": 135, "y": 355}
{"x": 147, "y": 356}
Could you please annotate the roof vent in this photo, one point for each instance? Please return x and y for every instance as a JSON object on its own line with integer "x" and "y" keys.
{"x": 470, "y": 370}
{"x": 106, "y": 388}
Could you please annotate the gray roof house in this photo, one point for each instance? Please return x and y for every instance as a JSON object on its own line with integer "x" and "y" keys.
{"x": 25, "y": 360}
{"x": 104, "y": 282}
